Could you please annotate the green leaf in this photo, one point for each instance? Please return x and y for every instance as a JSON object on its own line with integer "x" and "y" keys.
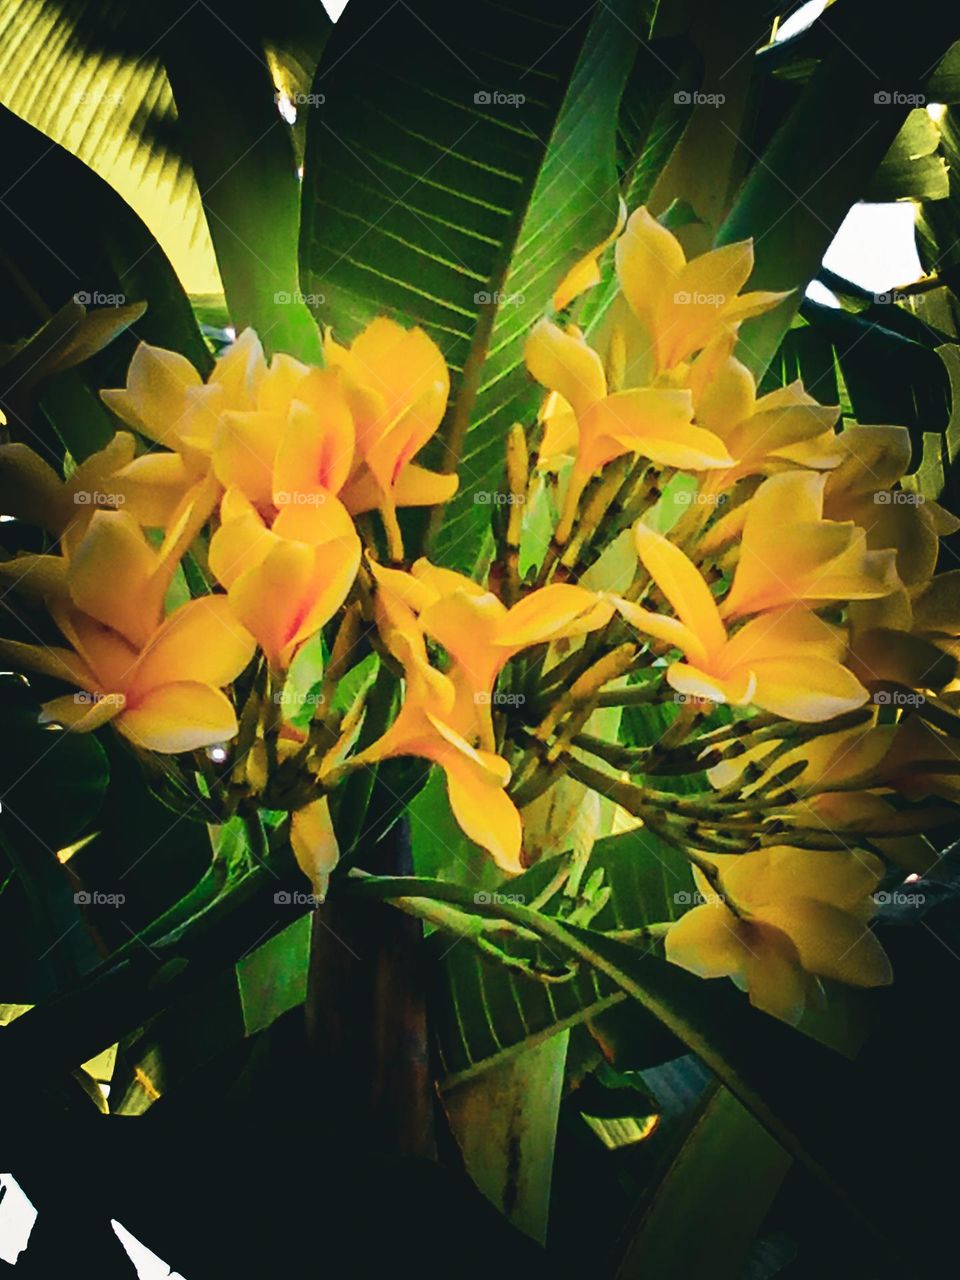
{"x": 822, "y": 158}
{"x": 428, "y": 197}
{"x": 913, "y": 168}
{"x": 273, "y": 979}
{"x": 505, "y": 1124}
{"x": 814, "y": 1102}
{"x": 113, "y": 110}
{"x": 703, "y": 1184}
{"x": 890, "y": 377}
{"x": 101, "y": 251}
{"x": 486, "y": 1013}
{"x": 245, "y": 165}
{"x": 54, "y": 783}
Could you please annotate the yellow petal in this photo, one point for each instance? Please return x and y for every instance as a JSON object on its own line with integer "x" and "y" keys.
{"x": 808, "y": 690}
{"x": 773, "y": 975}
{"x": 586, "y": 273}
{"x": 82, "y": 712}
{"x": 444, "y": 581}
{"x": 31, "y": 490}
{"x": 561, "y": 431}
{"x": 418, "y": 487}
{"x": 467, "y": 626}
{"x": 831, "y": 943}
{"x": 178, "y": 717}
{"x": 683, "y": 586}
{"x": 651, "y": 422}
{"x": 550, "y": 613}
{"x": 201, "y": 641}
{"x": 670, "y": 630}
{"x": 113, "y": 577}
{"x": 415, "y": 487}
{"x": 726, "y": 399}
{"x": 154, "y": 398}
{"x": 42, "y": 579}
{"x": 316, "y": 449}
{"x": 875, "y": 458}
{"x": 244, "y": 454}
{"x": 649, "y": 259}
{"x": 47, "y": 660}
{"x": 241, "y": 543}
{"x": 563, "y": 362}
{"x": 936, "y": 608}
{"x": 314, "y": 844}
{"x": 720, "y": 273}
{"x": 782, "y": 633}
{"x": 292, "y": 593}
{"x": 737, "y": 688}
{"x": 764, "y": 876}
{"x": 406, "y": 372}
{"x": 152, "y": 487}
{"x": 483, "y": 810}
{"x": 414, "y": 591}
{"x": 707, "y": 941}
{"x": 240, "y": 370}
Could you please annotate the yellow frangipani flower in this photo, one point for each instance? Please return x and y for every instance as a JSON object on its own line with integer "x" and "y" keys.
{"x": 649, "y": 421}
{"x": 772, "y": 432}
{"x": 159, "y": 680}
{"x": 921, "y": 761}
{"x": 475, "y": 778}
{"x": 789, "y": 552}
{"x": 684, "y": 305}
{"x": 481, "y": 634}
{"x": 397, "y": 383}
{"x": 297, "y": 444}
{"x": 285, "y": 580}
{"x": 583, "y": 275}
{"x": 110, "y": 479}
{"x": 783, "y": 918}
{"x": 757, "y": 665}
{"x": 874, "y": 460}
{"x": 166, "y": 400}
{"x": 261, "y": 429}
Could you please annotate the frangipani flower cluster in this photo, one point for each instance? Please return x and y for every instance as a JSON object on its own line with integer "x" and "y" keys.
{"x": 712, "y": 545}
